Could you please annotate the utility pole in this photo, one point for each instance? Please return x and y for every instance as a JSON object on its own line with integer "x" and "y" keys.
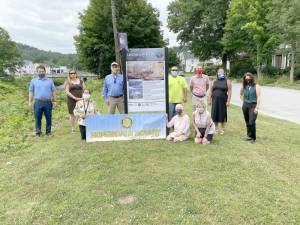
{"x": 114, "y": 23}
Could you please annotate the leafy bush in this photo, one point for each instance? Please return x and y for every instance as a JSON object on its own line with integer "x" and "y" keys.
{"x": 239, "y": 68}
{"x": 58, "y": 81}
{"x": 211, "y": 70}
{"x": 17, "y": 119}
{"x": 286, "y": 71}
{"x": 297, "y": 73}
{"x": 270, "y": 70}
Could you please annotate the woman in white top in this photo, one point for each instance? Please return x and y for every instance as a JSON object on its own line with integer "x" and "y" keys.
{"x": 203, "y": 125}
{"x": 181, "y": 124}
{"x": 83, "y": 108}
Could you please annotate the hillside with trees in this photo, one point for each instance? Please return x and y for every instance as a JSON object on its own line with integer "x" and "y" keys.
{"x": 48, "y": 57}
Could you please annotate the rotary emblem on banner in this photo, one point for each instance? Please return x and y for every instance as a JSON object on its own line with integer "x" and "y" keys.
{"x": 127, "y": 122}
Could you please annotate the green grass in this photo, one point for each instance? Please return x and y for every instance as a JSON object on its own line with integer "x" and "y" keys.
{"x": 17, "y": 121}
{"x": 279, "y": 81}
{"x": 61, "y": 180}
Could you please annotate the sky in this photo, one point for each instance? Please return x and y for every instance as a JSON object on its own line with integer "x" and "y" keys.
{"x": 51, "y": 24}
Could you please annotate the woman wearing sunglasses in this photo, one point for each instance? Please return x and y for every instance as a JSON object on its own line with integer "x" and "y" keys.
{"x": 74, "y": 88}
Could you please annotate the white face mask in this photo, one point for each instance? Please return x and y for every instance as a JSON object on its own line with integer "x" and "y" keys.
{"x": 86, "y": 96}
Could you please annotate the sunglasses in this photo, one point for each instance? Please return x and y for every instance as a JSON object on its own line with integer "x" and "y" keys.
{"x": 72, "y": 73}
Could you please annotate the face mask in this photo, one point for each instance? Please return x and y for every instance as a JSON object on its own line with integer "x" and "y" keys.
{"x": 174, "y": 73}
{"x": 248, "y": 82}
{"x": 86, "y": 96}
{"x": 41, "y": 75}
{"x": 179, "y": 111}
{"x": 199, "y": 72}
{"x": 221, "y": 75}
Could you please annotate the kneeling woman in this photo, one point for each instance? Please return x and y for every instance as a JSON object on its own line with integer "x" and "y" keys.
{"x": 181, "y": 124}
{"x": 203, "y": 125}
{"x": 83, "y": 108}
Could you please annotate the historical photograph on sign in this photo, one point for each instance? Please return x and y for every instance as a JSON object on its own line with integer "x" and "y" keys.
{"x": 135, "y": 93}
{"x": 135, "y": 89}
{"x": 135, "y": 84}
{"x": 145, "y": 70}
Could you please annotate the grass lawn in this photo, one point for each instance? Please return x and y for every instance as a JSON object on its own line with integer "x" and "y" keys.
{"x": 280, "y": 81}
{"x": 61, "y": 180}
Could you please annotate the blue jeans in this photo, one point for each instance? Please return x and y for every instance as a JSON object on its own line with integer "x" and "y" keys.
{"x": 39, "y": 109}
{"x": 172, "y": 111}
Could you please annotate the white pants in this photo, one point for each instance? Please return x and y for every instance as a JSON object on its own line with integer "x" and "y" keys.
{"x": 176, "y": 137}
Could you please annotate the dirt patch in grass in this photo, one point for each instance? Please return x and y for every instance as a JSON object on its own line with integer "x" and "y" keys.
{"x": 125, "y": 200}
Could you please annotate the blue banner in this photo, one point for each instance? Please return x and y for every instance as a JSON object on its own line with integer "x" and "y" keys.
{"x": 125, "y": 127}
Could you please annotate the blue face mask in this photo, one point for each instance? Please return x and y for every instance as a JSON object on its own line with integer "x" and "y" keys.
{"x": 221, "y": 76}
{"x": 174, "y": 73}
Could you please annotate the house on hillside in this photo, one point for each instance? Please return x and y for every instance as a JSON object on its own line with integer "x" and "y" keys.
{"x": 29, "y": 68}
{"x": 58, "y": 70}
{"x": 188, "y": 61}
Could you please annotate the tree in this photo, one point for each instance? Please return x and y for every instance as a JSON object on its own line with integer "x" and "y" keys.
{"x": 9, "y": 54}
{"x": 173, "y": 59}
{"x": 246, "y": 31}
{"x": 95, "y": 42}
{"x": 200, "y": 26}
{"x": 47, "y": 57}
{"x": 284, "y": 21}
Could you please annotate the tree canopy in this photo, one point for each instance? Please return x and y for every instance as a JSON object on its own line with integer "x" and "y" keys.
{"x": 284, "y": 21}
{"x": 47, "y": 57}
{"x": 246, "y": 31}
{"x": 95, "y": 43}
{"x": 200, "y": 25}
{"x": 9, "y": 53}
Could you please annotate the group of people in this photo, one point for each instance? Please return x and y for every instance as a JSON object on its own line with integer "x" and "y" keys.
{"x": 217, "y": 94}
{"x": 43, "y": 99}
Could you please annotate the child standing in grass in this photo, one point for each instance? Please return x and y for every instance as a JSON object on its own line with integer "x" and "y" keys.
{"x": 83, "y": 108}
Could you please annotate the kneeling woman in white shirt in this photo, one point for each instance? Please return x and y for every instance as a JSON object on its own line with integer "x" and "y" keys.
{"x": 83, "y": 108}
{"x": 203, "y": 124}
{"x": 181, "y": 124}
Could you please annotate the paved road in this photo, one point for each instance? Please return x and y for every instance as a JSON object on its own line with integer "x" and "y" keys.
{"x": 276, "y": 102}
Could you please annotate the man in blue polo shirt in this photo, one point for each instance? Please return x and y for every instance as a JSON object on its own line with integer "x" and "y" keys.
{"x": 42, "y": 92}
{"x": 113, "y": 90}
